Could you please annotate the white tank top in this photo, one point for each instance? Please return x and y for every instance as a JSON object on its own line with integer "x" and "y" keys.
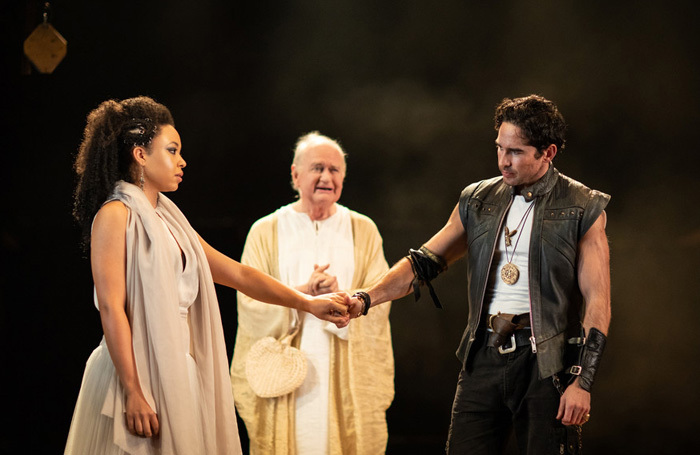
{"x": 515, "y": 298}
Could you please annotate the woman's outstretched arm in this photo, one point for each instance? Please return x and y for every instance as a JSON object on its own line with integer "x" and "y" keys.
{"x": 262, "y": 287}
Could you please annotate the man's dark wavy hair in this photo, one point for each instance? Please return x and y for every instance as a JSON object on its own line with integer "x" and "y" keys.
{"x": 539, "y": 120}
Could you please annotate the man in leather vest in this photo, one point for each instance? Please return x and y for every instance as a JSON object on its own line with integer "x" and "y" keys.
{"x": 539, "y": 291}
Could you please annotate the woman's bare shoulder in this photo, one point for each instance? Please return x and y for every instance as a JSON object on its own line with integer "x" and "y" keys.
{"x": 112, "y": 215}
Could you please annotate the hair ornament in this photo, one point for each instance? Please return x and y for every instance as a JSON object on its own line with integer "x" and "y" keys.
{"x": 139, "y": 131}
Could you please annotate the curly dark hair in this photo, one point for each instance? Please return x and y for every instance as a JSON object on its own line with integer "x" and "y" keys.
{"x": 113, "y": 129}
{"x": 538, "y": 118}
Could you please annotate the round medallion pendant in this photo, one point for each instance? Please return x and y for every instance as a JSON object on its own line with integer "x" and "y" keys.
{"x": 510, "y": 273}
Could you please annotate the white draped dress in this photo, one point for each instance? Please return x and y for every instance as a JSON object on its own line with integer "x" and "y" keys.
{"x": 177, "y": 341}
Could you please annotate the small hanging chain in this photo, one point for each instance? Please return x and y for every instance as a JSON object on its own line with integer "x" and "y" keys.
{"x": 45, "y": 14}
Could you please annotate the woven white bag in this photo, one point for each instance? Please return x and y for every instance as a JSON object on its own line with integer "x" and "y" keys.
{"x": 274, "y": 368}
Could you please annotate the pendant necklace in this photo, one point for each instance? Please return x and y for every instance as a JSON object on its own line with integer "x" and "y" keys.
{"x": 510, "y": 272}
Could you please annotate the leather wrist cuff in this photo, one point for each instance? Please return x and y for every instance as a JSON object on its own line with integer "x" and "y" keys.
{"x": 366, "y": 301}
{"x": 426, "y": 266}
{"x": 590, "y": 358}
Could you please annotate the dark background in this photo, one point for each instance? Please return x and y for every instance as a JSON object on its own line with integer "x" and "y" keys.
{"x": 409, "y": 89}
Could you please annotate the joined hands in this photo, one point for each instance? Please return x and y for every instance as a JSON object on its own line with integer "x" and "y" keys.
{"x": 326, "y": 301}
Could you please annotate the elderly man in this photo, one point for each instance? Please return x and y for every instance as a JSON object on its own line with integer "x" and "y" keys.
{"x": 318, "y": 246}
{"x": 537, "y": 250}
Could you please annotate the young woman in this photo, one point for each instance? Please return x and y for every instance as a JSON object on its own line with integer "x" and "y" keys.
{"x": 158, "y": 382}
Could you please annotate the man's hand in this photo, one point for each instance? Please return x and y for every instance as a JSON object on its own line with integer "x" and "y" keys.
{"x": 574, "y": 405}
{"x": 355, "y": 307}
{"x": 321, "y": 282}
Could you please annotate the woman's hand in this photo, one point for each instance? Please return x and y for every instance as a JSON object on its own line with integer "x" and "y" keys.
{"x": 141, "y": 420}
{"x": 330, "y": 307}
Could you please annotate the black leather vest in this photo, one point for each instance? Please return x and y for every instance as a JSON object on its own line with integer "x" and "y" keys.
{"x": 564, "y": 211}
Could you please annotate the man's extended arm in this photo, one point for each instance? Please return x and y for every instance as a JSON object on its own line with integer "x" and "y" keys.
{"x": 450, "y": 243}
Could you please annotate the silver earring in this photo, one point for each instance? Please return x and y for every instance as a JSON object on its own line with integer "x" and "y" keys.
{"x": 141, "y": 180}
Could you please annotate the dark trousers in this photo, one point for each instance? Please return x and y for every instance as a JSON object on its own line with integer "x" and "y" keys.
{"x": 499, "y": 393}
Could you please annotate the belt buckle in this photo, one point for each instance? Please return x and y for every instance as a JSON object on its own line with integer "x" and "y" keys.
{"x": 490, "y": 324}
{"x": 512, "y": 347}
{"x": 575, "y": 370}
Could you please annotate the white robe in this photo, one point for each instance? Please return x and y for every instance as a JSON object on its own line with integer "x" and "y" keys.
{"x": 304, "y": 243}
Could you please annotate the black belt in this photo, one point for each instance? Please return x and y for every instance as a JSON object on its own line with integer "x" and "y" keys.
{"x": 518, "y": 338}
{"x": 508, "y": 331}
